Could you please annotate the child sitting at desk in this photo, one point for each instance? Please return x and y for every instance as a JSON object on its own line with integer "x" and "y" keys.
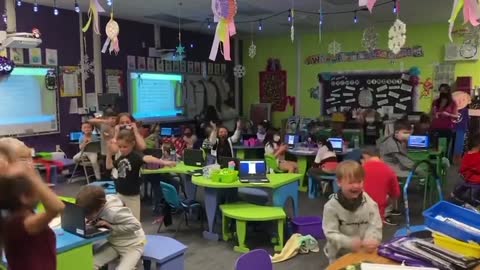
{"x": 222, "y": 145}
{"x": 128, "y": 165}
{"x": 28, "y": 241}
{"x": 262, "y": 129}
{"x": 351, "y": 220}
{"x": 126, "y": 239}
{"x": 325, "y": 160}
{"x": 189, "y": 138}
{"x": 275, "y": 147}
{"x": 86, "y": 138}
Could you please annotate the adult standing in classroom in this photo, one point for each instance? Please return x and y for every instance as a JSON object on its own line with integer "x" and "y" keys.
{"x": 444, "y": 115}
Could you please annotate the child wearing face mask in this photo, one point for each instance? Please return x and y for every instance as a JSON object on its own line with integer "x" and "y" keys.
{"x": 189, "y": 138}
{"x": 262, "y": 130}
{"x": 325, "y": 160}
{"x": 351, "y": 220}
{"x": 393, "y": 149}
{"x": 222, "y": 145}
{"x": 275, "y": 147}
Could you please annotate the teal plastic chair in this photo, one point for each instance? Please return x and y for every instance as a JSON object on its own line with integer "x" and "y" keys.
{"x": 179, "y": 206}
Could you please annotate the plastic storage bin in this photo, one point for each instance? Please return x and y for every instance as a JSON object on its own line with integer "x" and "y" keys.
{"x": 308, "y": 225}
{"x": 460, "y": 214}
{"x": 471, "y": 249}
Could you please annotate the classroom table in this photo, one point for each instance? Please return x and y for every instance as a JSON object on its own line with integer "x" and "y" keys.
{"x": 182, "y": 169}
{"x": 73, "y": 252}
{"x": 284, "y": 186}
{"x": 359, "y": 257}
{"x": 303, "y": 155}
{"x": 241, "y": 150}
{"x": 108, "y": 186}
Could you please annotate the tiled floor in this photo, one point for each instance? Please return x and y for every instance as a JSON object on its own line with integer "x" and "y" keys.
{"x": 203, "y": 254}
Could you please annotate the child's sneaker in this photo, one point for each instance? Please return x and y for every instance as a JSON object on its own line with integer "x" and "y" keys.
{"x": 395, "y": 213}
{"x": 389, "y": 221}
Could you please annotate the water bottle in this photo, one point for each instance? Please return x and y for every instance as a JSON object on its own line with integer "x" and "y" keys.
{"x": 231, "y": 165}
{"x": 173, "y": 154}
{"x": 356, "y": 142}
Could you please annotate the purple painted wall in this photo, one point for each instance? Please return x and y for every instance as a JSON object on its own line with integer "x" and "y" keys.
{"x": 61, "y": 33}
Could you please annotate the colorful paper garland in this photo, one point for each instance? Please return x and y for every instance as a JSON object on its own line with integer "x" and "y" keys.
{"x": 93, "y": 10}
{"x": 224, "y": 12}
{"x": 471, "y": 14}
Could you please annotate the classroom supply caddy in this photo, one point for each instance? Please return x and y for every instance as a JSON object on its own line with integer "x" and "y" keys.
{"x": 308, "y": 226}
{"x": 224, "y": 176}
{"x": 470, "y": 249}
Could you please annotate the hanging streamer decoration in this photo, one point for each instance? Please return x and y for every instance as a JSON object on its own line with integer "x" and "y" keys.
{"x": 471, "y": 14}
{"x": 292, "y": 27}
{"x": 93, "y": 11}
{"x": 112, "y": 30}
{"x": 224, "y": 12}
{"x": 320, "y": 19}
{"x": 369, "y": 3}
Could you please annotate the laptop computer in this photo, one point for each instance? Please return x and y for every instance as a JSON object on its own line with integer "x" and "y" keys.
{"x": 418, "y": 142}
{"x": 75, "y": 136}
{"x": 253, "y": 172}
{"x": 193, "y": 157}
{"x": 291, "y": 140}
{"x": 74, "y": 222}
{"x": 337, "y": 144}
{"x": 166, "y": 132}
{"x": 223, "y": 162}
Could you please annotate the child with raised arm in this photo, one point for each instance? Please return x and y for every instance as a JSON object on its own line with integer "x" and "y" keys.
{"x": 222, "y": 145}
{"x": 126, "y": 240}
{"x": 128, "y": 165}
{"x": 351, "y": 220}
{"x": 25, "y": 236}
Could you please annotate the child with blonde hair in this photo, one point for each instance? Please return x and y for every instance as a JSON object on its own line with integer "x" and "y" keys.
{"x": 351, "y": 219}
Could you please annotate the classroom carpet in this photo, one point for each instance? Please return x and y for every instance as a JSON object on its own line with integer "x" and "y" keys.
{"x": 203, "y": 254}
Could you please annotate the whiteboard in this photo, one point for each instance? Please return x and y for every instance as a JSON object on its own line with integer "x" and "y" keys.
{"x": 27, "y": 107}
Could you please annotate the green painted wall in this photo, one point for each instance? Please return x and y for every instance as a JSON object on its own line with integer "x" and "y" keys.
{"x": 431, "y": 37}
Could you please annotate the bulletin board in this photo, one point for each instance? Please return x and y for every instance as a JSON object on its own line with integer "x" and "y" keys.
{"x": 70, "y": 81}
{"x": 389, "y": 92}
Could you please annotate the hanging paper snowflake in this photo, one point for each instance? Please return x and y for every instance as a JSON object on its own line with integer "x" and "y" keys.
{"x": 370, "y": 39}
{"x": 334, "y": 48}
{"x": 397, "y": 35}
{"x": 239, "y": 71}
{"x": 88, "y": 67}
{"x": 252, "y": 50}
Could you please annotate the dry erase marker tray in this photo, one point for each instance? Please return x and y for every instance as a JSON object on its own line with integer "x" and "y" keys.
{"x": 454, "y": 221}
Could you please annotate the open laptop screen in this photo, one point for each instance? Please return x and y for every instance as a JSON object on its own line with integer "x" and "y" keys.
{"x": 75, "y": 136}
{"x": 166, "y": 132}
{"x": 252, "y": 167}
{"x": 337, "y": 143}
{"x": 292, "y": 139}
{"x": 418, "y": 142}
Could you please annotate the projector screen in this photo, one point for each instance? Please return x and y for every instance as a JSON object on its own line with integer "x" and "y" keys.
{"x": 27, "y": 107}
{"x": 155, "y": 96}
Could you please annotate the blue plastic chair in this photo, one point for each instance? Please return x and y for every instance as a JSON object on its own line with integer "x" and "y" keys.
{"x": 257, "y": 259}
{"x": 314, "y": 186}
{"x": 179, "y": 206}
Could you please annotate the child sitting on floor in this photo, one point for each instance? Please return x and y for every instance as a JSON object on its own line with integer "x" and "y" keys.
{"x": 126, "y": 239}
{"x": 351, "y": 220}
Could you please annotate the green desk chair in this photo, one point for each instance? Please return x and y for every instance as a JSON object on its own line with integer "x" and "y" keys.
{"x": 244, "y": 212}
{"x": 272, "y": 164}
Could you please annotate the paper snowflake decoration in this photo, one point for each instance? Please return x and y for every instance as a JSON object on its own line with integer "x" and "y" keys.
{"x": 88, "y": 67}
{"x": 239, "y": 71}
{"x": 334, "y": 48}
{"x": 370, "y": 39}
{"x": 180, "y": 50}
{"x": 252, "y": 50}
{"x": 397, "y": 35}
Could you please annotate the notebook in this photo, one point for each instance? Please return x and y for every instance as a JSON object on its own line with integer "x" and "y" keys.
{"x": 253, "y": 171}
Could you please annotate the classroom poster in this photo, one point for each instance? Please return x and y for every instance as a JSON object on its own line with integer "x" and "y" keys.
{"x": 141, "y": 63}
{"x": 176, "y": 66}
{"x": 168, "y": 66}
{"x": 51, "y": 57}
{"x": 183, "y": 66}
{"x": 35, "y": 56}
{"x": 160, "y": 66}
{"x": 16, "y": 55}
{"x": 151, "y": 64}
{"x": 131, "y": 64}
{"x": 114, "y": 78}
{"x": 70, "y": 82}
{"x": 190, "y": 67}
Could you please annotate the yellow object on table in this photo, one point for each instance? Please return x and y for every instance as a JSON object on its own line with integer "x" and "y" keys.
{"x": 41, "y": 208}
{"x": 471, "y": 249}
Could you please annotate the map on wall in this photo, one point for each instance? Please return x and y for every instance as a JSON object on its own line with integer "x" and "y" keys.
{"x": 388, "y": 92}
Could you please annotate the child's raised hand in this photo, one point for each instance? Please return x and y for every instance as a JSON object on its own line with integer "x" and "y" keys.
{"x": 370, "y": 245}
{"x": 356, "y": 244}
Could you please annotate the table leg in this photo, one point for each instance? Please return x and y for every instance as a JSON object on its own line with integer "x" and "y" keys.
{"x": 302, "y": 169}
{"x": 211, "y": 204}
{"x": 241, "y": 153}
{"x": 190, "y": 188}
{"x": 281, "y": 195}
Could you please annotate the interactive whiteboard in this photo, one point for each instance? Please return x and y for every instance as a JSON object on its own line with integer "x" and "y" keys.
{"x": 27, "y": 107}
{"x": 155, "y": 96}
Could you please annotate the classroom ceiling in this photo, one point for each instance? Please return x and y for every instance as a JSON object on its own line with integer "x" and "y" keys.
{"x": 194, "y": 13}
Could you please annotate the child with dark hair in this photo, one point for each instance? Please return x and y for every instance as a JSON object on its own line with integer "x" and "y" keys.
{"x": 189, "y": 137}
{"x": 325, "y": 160}
{"x": 222, "y": 145}
{"x": 126, "y": 240}
{"x": 275, "y": 147}
{"x": 128, "y": 165}
{"x": 470, "y": 167}
{"x": 25, "y": 236}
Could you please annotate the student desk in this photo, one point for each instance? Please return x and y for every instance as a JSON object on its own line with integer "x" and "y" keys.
{"x": 241, "y": 150}
{"x": 180, "y": 168}
{"x": 284, "y": 186}
{"x": 303, "y": 156}
{"x": 73, "y": 252}
{"x": 356, "y": 258}
{"x": 110, "y": 189}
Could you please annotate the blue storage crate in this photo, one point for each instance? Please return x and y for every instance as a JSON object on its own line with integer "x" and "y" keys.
{"x": 458, "y": 213}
